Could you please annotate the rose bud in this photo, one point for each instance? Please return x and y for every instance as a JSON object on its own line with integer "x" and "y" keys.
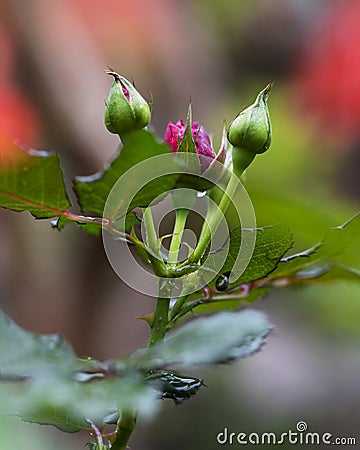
{"x": 174, "y": 137}
{"x": 250, "y": 132}
{"x": 191, "y": 137}
{"x": 125, "y": 109}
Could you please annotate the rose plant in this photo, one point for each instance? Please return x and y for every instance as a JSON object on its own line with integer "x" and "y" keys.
{"x": 44, "y": 381}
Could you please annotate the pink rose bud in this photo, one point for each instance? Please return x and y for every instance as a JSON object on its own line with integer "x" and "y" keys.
{"x": 174, "y": 135}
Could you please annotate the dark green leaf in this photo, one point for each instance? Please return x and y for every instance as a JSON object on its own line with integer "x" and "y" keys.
{"x": 211, "y": 340}
{"x": 93, "y": 191}
{"x": 270, "y": 245}
{"x": 33, "y": 182}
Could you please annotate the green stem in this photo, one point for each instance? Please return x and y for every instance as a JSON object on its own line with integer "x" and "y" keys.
{"x": 212, "y": 220}
{"x": 153, "y": 244}
{"x": 241, "y": 158}
{"x": 177, "y": 306}
{"x": 151, "y": 236}
{"x": 161, "y": 314}
{"x": 180, "y": 221}
{"x": 127, "y": 421}
{"x": 125, "y": 427}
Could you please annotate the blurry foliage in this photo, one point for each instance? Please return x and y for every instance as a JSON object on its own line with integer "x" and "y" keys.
{"x": 30, "y": 437}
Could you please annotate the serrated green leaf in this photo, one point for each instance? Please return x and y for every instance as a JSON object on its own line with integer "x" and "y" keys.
{"x": 93, "y": 191}
{"x": 56, "y": 417}
{"x": 338, "y": 248}
{"x": 33, "y": 182}
{"x": 270, "y": 245}
{"x": 216, "y": 339}
{"x": 23, "y": 353}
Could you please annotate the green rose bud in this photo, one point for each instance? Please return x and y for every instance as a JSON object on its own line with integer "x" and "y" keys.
{"x": 251, "y": 129}
{"x": 125, "y": 109}
{"x": 250, "y": 132}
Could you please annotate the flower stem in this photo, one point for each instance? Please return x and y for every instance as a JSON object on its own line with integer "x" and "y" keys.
{"x": 180, "y": 221}
{"x": 151, "y": 237}
{"x": 125, "y": 427}
{"x": 153, "y": 244}
{"x": 161, "y": 314}
{"x": 242, "y": 158}
{"x": 127, "y": 421}
{"x": 213, "y": 219}
{"x": 177, "y": 306}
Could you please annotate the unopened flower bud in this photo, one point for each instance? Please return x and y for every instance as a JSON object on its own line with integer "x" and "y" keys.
{"x": 126, "y": 110}
{"x": 192, "y": 146}
{"x": 174, "y": 135}
{"x": 190, "y": 138}
{"x": 251, "y": 129}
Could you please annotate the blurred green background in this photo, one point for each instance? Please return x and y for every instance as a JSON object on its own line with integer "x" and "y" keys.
{"x": 52, "y": 91}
